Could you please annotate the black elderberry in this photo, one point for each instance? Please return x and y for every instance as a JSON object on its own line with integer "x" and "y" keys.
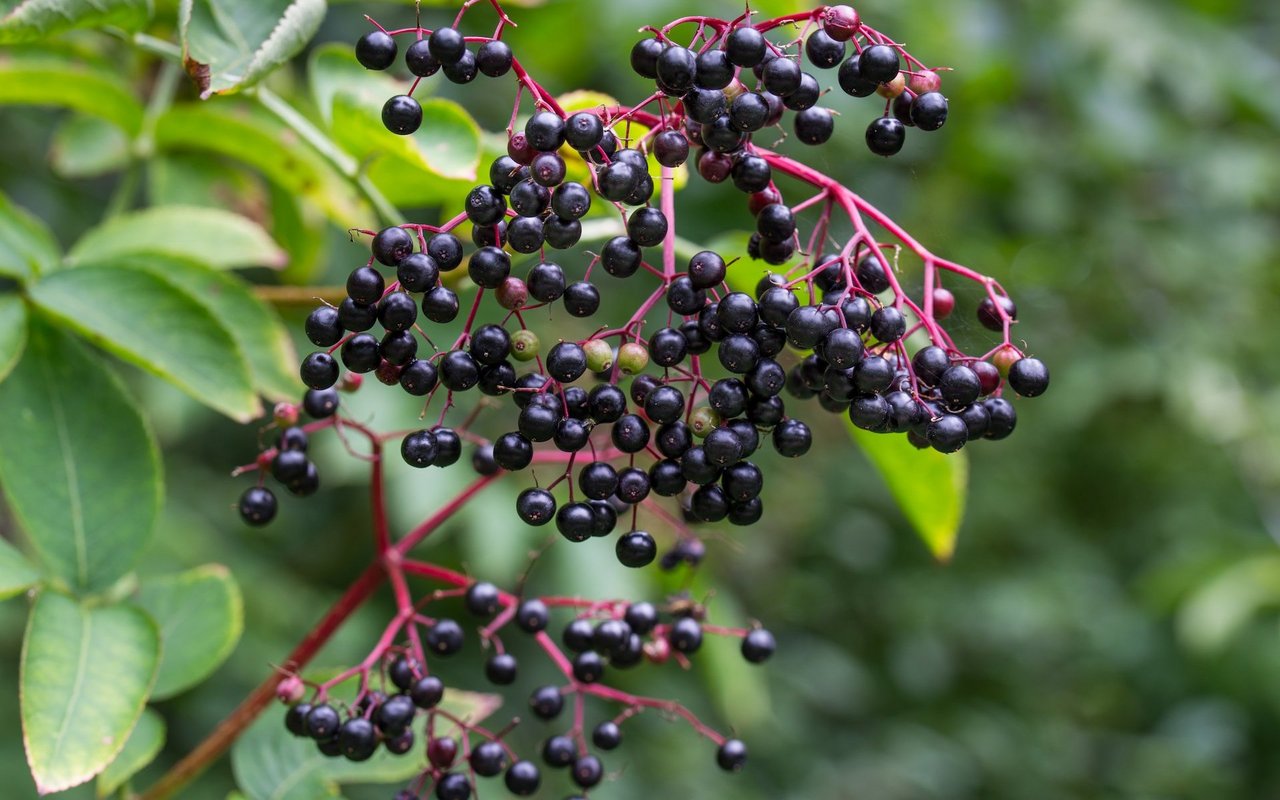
{"x": 885, "y": 136}
{"x": 447, "y": 45}
{"x": 888, "y": 324}
{"x": 1001, "y": 418}
{"x": 448, "y": 446}
{"x": 709, "y": 504}
{"x": 319, "y": 370}
{"x": 257, "y": 505}
{"x": 929, "y": 111}
{"x": 402, "y": 115}
{"x": 959, "y": 386}
{"x": 873, "y": 375}
{"x": 513, "y": 451}
{"x": 879, "y": 63}
{"x": 427, "y": 692}
{"x": 397, "y": 312}
{"x": 1029, "y": 377}
{"x": 559, "y": 751}
{"x": 792, "y": 438}
{"x": 419, "y": 60}
{"x": 323, "y": 327}
{"x": 647, "y": 227}
{"x": 630, "y": 433}
{"x": 501, "y": 669}
{"x": 357, "y": 739}
{"x": 587, "y": 771}
{"x": 440, "y": 305}
{"x": 445, "y": 638}
{"x": 571, "y": 200}
{"x": 490, "y": 344}
{"x": 685, "y": 635}
{"x": 697, "y": 467}
{"x": 419, "y": 449}
{"x": 823, "y": 51}
{"x": 852, "y": 81}
{"x": 488, "y": 759}
{"x": 666, "y": 478}
{"x": 459, "y": 371}
{"x": 775, "y": 221}
{"x": 489, "y": 267}
{"x": 536, "y": 506}
{"x": 446, "y": 250}
{"x": 751, "y": 174}
{"x": 546, "y": 702}
{"x": 947, "y": 433}
{"x": 396, "y": 713}
{"x": 419, "y": 377}
{"x": 532, "y": 616}
{"x": 607, "y": 735}
{"x": 598, "y": 480}
{"x": 588, "y": 667}
{"x": 523, "y": 778}
{"x": 295, "y": 719}
{"x": 482, "y": 599}
{"x": 745, "y": 47}
{"x": 633, "y": 485}
{"x": 636, "y": 549}
{"x": 806, "y": 97}
{"x": 644, "y": 57}
{"x": 453, "y": 786}
{"x": 575, "y": 521}
{"x": 322, "y": 722}
{"x": 494, "y": 58}
{"x": 320, "y": 403}
{"x": 732, "y": 755}
{"x": 815, "y": 126}
{"x": 739, "y": 353}
{"x": 548, "y": 169}
{"x": 376, "y": 50}
{"x": 781, "y": 76}
{"x": 676, "y": 68}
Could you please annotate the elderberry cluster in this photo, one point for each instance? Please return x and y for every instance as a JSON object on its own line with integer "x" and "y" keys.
{"x": 624, "y": 638}
{"x": 679, "y": 401}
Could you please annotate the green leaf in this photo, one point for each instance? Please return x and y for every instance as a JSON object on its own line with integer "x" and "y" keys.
{"x": 83, "y": 684}
{"x": 927, "y": 485}
{"x": 86, "y": 147}
{"x": 156, "y": 325}
{"x": 47, "y": 82}
{"x": 231, "y": 44}
{"x": 254, "y": 325}
{"x": 140, "y": 749}
{"x": 13, "y": 332}
{"x": 81, "y": 470}
{"x": 16, "y": 573}
{"x": 33, "y": 20}
{"x": 251, "y": 136}
{"x": 201, "y": 616}
{"x": 26, "y": 245}
{"x": 218, "y": 238}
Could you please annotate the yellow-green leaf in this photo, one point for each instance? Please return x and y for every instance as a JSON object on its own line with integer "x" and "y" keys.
{"x": 928, "y": 486}
{"x": 210, "y": 235}
{"x": 201, "y": 616}
{"x": 84, "y": 680}
{"x": 46, "y": 82}
{"x": 140, "y": 749}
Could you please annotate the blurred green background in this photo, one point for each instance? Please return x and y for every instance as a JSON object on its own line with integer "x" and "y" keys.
{"x": 1108, "y": 626}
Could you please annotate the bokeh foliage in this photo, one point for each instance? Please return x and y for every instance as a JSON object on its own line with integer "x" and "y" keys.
{"x": 1107, "y": 625}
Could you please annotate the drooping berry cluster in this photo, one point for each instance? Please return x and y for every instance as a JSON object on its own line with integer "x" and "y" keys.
{"x": 635, "y": 412}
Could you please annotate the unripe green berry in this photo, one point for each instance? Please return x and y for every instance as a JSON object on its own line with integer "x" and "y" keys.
{"x": 1004, "y": 360}
{"x": 525, "y": 345}
{"x": 599, "y": 355}
{"x": 703, "y": 421}
{"x": 632, "y": 358}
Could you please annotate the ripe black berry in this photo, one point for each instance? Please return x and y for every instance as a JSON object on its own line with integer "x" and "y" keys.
{"x": 745, "y": 47}
{"x": 685, "y": 635}
{"x": 376, "y": 50}
{"x": 257, "y": 505}
{"x": 523, "y": 778}
{"x": 929, "y": 111}
{"x": 885, "y": 136}
{"x": 879, "y": 63}
{"x": 494, "y": 58}
{"x": 546, "y": 702}
{"x": 402, "y": 114}
{"x": 447, "y": 45}
{"x": 419, "y": 449}
{"x": 501, "y": 669}
{"x": 488, "y": 759}
{"x": 607, "y": 735}
{"x": 636, "y": 549}
{"x": 427, "y": 692}
{"x": 419, "y": 60}
{"x": 535, "y": 506}
{"x": 1029, "y": 377}
{"x": 732, "y": 755}
{"x": 815, "y": 126}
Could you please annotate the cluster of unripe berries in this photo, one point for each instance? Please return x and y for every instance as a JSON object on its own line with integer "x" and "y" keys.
{"x": 637, "y": 633}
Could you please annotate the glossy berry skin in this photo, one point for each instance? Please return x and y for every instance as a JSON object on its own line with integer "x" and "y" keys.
{"x": 745, "y": 47}
{"x": 758, "y": 646}
{"x": 732, "y": 755}
{"x": 815, "y": 126}
{"x": 535, "y": 506}
{"x": 989, "y": 314}
{"x": 929, "y": 111}
{"x": 685, "y": 635}
{"x": 644, "y": 57}
{"x": 676, "y": 69}
{"x": 420, "y": 61}
{"x": 494, "y": 58}
{"x": 587, "y": 771}
{"x": 357, "y": 739}
{"x": 447, "y": 45}
{"x": 885, "y": 136}
{"x": 376, "y": 50}
{"x": 546, "y": 702}
{"x": 501, "y": 669}
{"x": 445, "y": 637}
{"x": 852, "y": 81}
{"x": 532, "y": 616}
{"x": 823, "y": 51}
{"x": 402, "y": 115}
{"x": 322, "y": 722}
{"x": 879, "y": 63}
{"x": 523, "y": 778}
{"x": 1029, "y": 377}
{"x": 947, "y": 433}
{"x": 482, "y": 599}
{"x": 636, "y": 549}
{"x": 607, "y": 735}
{"x": 258, "y": 506}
